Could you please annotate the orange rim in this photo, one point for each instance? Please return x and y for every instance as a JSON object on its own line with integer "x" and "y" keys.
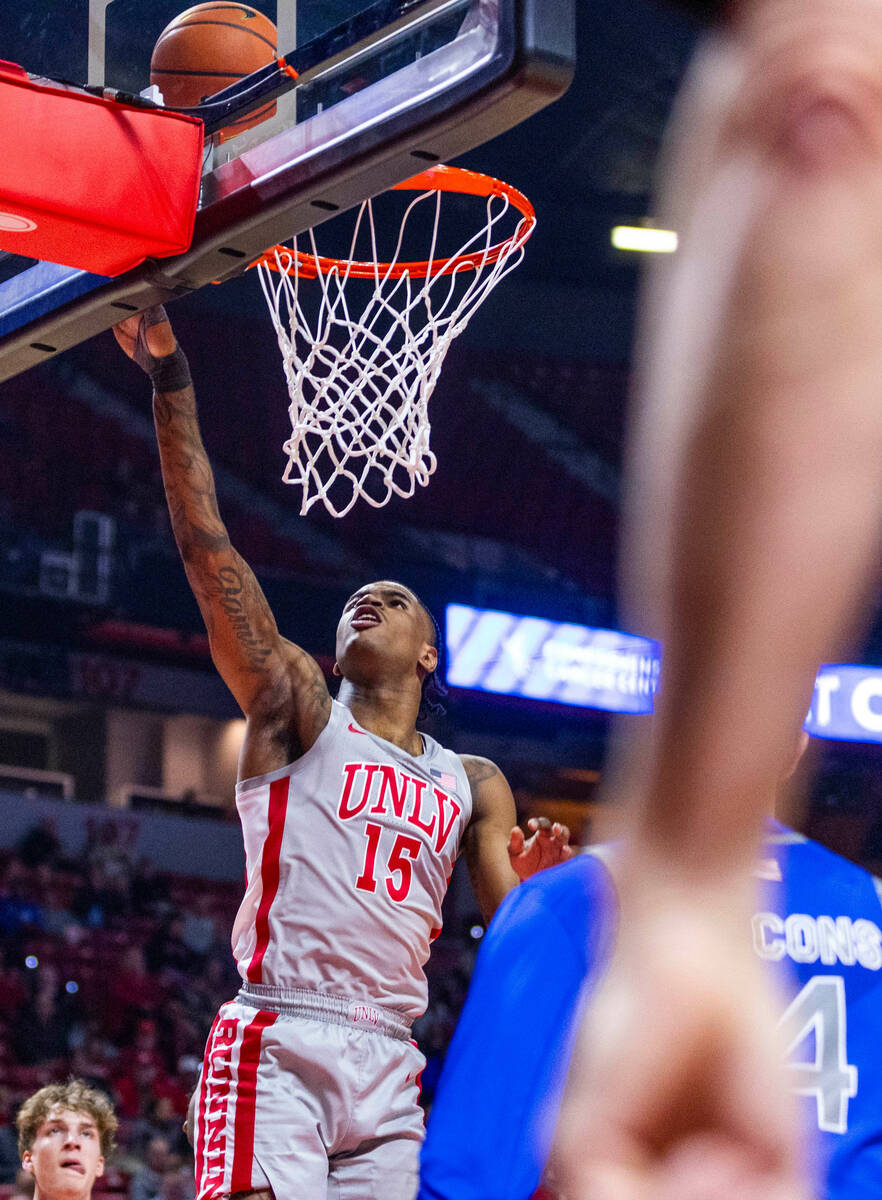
{"x": 435, "y": 179}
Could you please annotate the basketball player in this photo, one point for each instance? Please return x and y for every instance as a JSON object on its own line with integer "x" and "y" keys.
{"x": 65, "y": 1132}
{"x": 494, "y": 1111}
{"x": 754, "y": 518}
{"x": 352, "y": 822}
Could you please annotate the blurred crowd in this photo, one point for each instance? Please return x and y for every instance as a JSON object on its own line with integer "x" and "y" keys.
{"x": 113, "y": 972}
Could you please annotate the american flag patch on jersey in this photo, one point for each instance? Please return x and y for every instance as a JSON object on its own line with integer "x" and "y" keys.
{"x": 445, "y": 778}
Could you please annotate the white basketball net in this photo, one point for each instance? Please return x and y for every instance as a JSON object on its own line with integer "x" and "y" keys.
{"x": 360, "y": 382}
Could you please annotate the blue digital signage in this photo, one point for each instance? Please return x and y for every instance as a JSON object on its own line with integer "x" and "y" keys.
{"x": 512, "y": 655}
{"x": 847, "y": 704}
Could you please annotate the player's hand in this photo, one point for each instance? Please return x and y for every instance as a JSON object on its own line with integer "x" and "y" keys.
{"x": 548, "y": 845}
{"x": 676, "y": 1091}
{"x": 159, "y": 337}
{"x": 189, "y": 1126}
{"x": 148, "y": 340}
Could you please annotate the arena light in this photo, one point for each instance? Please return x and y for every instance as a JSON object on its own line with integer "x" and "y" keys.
{"x": 501, "y": 652}
{"x": 644, "y": 239}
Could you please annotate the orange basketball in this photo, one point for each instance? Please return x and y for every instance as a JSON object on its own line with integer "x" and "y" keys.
{"x": 209, "y": 47}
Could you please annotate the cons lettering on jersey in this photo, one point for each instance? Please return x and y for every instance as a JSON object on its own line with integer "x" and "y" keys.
{"x": 825, "y": 939}
{"x": 371, "y": 789}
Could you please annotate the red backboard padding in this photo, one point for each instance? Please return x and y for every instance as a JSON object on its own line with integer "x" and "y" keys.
{"x": 93, "y": 183}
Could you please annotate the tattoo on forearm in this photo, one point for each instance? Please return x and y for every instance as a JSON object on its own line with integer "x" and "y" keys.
{"x": 187, "y": 475}
{"x": 235, "y": 594}
{"x": 165, "y": 409}
{"x": 229, "y": 591}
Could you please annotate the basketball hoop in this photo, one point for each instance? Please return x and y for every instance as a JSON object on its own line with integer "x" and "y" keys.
{"x": 361, "y": 371}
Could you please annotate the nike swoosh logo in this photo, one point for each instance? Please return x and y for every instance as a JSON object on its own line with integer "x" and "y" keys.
{"x": 352, "y": 729}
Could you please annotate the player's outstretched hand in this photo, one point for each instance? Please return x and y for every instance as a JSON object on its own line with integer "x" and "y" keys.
{"x": 676, "y": 1091}
{"x": 160, "y": 339}
{"x": 548, "y": 845}
{"x": 148, "y": 340}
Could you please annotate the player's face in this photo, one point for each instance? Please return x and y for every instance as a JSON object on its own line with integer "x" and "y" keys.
{"x": 385, "y": 618}
{"x": 65, "y": 1158}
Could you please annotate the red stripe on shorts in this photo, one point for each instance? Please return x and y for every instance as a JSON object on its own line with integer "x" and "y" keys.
{"x": 199, "y": 1131}
{"x": 246, "y": 1102}
{"x": 269, "y": 873}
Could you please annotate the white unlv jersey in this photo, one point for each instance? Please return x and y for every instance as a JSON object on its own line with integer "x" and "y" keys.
{"x": 349, "y": 851}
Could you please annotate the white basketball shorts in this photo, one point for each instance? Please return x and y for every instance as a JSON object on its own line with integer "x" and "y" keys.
{"x": 313, "y": 1097}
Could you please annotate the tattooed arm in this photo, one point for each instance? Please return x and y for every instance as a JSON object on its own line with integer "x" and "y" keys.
{"x": 497, "y": 853}
{"x": 279, "y": 687}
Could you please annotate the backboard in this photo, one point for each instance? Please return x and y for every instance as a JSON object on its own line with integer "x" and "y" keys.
{"x": 384, "y": 90}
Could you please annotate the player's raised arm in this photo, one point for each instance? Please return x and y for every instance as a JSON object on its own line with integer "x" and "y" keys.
{"x": 496, "y": 851}
{"x": 261, "y": 669}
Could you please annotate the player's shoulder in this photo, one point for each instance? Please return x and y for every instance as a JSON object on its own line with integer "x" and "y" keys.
{"x": 564, "y": 914}
{"x": 800, "y": 848}
{"x": 292, "y": 683}
{"x": 299, "y": 664}
{"x": 826, "y": 869}
{"x": 585, "y": 869}
{"x": 477, "y": 767}
{"x": 570, "y": 886}
{"x": 487, "y": 784}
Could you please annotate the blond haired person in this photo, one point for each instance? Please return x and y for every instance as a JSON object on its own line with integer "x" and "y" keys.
{"x": 65, "y": 1133}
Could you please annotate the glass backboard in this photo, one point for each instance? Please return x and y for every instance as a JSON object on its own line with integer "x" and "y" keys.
{"x": 384, "y": 91}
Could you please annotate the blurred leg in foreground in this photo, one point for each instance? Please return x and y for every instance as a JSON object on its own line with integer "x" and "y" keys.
{"x": 755, "y": 497}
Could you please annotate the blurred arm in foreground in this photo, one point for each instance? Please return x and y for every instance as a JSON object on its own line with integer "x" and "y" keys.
{"x": 751, "y": 543}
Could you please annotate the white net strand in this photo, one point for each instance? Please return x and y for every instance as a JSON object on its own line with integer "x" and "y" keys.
{"x": 360, "y": 384}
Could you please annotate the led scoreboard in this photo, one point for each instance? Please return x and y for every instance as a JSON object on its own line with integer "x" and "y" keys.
{"x": 847, "y": 704}
{"x": 501, "y": 652}
{"x": 511, "y": 655}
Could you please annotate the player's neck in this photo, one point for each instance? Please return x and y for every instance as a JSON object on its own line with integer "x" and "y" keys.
{"x": 386, "y": 710}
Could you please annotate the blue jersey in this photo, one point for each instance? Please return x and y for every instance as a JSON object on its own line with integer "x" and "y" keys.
{"x": 822, "y": 918}
{"x": 819, "y": 919}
